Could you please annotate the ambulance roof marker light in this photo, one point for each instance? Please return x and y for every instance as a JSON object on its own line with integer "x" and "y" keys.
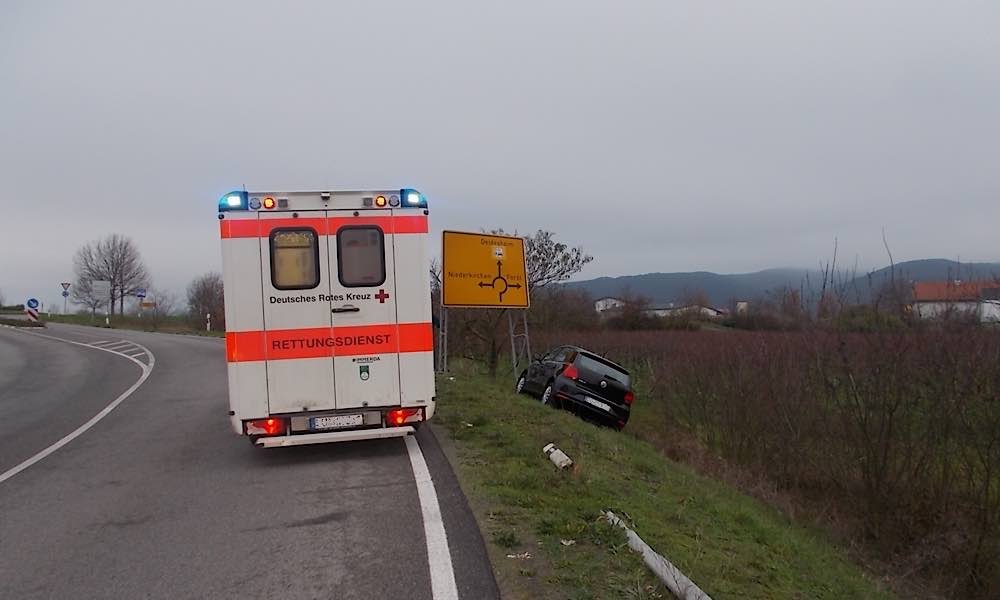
{"x": 412, "y": 198}
{"x": 234, "y": 201}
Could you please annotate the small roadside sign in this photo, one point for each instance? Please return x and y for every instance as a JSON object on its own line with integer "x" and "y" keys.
{"x": 101, "y": 290}
{"x": 31, "y": 309}
{"x": 65, "y": 293}
{"x": 481, "y": 270}
{"x": 65, "y": 285}
{"x": 140, "y": 293}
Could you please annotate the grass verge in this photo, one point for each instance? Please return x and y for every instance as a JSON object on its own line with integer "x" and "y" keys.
{"x": 729, "y": 544}
{"x": 176, "y": 325}
{"x": 20, "y": 322}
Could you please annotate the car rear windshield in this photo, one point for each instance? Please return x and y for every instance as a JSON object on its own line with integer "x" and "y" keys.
{"x": 603, "y": 368}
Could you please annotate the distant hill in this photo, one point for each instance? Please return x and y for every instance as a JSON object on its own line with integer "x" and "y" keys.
{"x": 663, "y": 288}
{"x": 931, "y": 269}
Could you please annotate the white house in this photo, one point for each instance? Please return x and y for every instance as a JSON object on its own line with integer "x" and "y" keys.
{"x": 705, "y": 312}
{"x": 607, "y": 303}
{"x": 989, "y": 306}
{"x": 956, "y": 298}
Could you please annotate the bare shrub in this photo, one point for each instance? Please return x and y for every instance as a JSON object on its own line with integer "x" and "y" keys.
{"x": 896, "y": 431}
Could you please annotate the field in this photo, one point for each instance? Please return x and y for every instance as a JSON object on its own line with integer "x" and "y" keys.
{"x": 891, "y": 442}
{"x": 544, "y": 533}
{"x": 159, "y": 323}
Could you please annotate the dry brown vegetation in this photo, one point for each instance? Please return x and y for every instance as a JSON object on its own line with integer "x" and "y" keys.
{"x": 890, "y": 440}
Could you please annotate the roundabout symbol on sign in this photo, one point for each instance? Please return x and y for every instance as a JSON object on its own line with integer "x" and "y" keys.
{"x": 499, "y": 282}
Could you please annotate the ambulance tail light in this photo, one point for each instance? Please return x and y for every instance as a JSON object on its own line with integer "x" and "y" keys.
{"x": 266, "y": 427}
{"x": 234, "y": 201}
{"x": 410, "y": 198}
{"x": 401, "y": 416}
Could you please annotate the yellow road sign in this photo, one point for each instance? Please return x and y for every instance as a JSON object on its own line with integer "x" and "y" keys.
{"x": 480, "y": 270}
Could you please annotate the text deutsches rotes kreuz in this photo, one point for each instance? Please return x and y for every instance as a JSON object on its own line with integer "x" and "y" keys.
{"x": 349, "y": 297}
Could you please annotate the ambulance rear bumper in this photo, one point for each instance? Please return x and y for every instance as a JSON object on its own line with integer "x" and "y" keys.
{"x": 281, "y": 441}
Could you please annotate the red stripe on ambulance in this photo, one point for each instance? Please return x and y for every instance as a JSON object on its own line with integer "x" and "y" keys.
{"x": 251, "y": 228}
{"x": 320, "y": 342}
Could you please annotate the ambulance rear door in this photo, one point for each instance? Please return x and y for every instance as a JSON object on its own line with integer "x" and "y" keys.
{"x": 363, "y": 305}
{"x": 297, "y": 319}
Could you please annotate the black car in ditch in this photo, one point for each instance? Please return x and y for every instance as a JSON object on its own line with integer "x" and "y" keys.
{"x": 582, "y": 382}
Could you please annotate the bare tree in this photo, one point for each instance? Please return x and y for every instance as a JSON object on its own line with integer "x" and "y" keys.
{"x": 435, "y": 275}
{"x": 549, "y": 261}
{"x": 83, "y": 294}
{"x": 694, "y": 297}
{"x": 205, "y": 296}
{"x": 116, "y": 259}
{"x": 164, "y": 305}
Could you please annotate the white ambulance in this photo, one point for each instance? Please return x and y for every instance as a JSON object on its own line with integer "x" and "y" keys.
{"x": 328, "y": 315}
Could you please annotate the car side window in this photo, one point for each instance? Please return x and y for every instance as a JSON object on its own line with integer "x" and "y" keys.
{"x": 560, "y": 355}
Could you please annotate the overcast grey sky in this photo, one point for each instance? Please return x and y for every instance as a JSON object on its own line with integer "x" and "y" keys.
{"x": 662, "y": 135}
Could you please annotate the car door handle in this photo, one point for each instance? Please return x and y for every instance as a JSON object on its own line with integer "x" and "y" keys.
{"x": 345, "y": 309}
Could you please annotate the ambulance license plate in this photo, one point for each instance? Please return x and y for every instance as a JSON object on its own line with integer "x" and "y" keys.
{"x": 597, "y": 403}
{"x": 335, "y": 422}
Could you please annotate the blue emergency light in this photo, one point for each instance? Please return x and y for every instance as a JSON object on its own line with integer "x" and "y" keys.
{"x": 410, "y": 198}
{"x": 234, "y": 201}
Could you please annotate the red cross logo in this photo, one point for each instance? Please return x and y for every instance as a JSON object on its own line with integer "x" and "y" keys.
{"x": 382, "y": 296}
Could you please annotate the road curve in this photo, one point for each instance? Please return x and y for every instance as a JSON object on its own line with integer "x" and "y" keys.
{"x": 160, "y": 499}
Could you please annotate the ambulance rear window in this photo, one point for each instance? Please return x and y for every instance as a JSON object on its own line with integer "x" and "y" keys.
{"x": 294, "y": 259}
{"x": 360, "y": 256}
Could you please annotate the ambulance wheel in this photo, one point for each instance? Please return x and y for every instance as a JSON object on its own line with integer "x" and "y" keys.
{"x": 548, "y": 396}
{"x": 521, "y": 381}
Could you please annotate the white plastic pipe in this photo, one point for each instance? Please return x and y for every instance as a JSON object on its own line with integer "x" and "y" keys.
{"x": 678, "y": 583}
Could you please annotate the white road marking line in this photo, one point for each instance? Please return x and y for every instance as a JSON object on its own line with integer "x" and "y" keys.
{"x": 438, "y": 555}
{"x": 102, "y": 342}
{"x": 117, "y": 346}
{"x": 139, "y": 353}
{"x": 146, "y": 370}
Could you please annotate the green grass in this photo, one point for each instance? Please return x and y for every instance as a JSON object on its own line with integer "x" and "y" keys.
{"x": 20, "y": 322}
{"x": 176, "y": 324}
{"x": 730, "y": 545}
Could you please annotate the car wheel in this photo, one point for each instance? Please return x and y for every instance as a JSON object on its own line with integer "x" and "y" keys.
{"x": 547, "y": 396}
{"x": 519, "y": 386}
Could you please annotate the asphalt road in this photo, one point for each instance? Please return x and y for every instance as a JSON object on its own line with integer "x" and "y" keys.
{"x": 160, "y": 499}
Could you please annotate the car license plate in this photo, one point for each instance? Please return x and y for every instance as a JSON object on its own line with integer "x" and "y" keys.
{"x": 597, "y": 403}
{"x": 336, "y": 421}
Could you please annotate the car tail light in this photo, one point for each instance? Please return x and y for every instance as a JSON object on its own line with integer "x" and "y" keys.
{"x": 266, "y": 427}
{"x": 571, "y": 372}
{"x": 629, "y": 397}
{"x": 402, "y": 416}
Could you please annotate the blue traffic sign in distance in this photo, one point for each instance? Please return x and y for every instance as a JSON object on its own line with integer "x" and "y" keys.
{"x": 32, "y": 303}
{"x": 140, "y": 293}
{"x": 65, "y": 294}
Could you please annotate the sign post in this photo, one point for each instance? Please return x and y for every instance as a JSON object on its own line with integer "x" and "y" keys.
{"x": 65, "y": 293}
{"x": 102, "y": 289}
{"x": 481, "y": 270}
{"x": 140, "y": 293}
{"x": 31, "y": 309}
